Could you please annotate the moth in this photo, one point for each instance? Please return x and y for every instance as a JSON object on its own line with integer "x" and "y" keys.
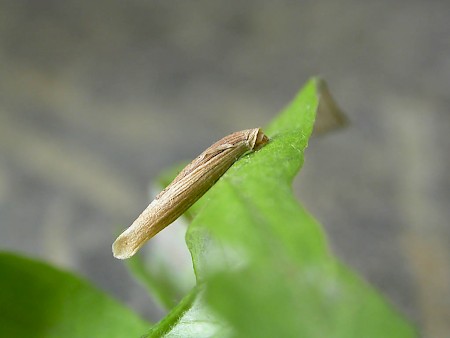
{"x": 190, "y": 184}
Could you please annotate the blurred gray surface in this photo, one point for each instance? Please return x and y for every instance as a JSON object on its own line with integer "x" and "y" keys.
{"x": 96, "y": 98}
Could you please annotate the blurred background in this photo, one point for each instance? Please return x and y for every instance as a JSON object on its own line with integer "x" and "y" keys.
{"x": 98, "y": 97}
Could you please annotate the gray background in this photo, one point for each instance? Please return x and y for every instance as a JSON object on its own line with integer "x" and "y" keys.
{"x": 96, "y": 98}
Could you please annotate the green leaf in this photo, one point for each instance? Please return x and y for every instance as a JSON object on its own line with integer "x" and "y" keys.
{"x": 37, "y": 300}
{"x": 263, "y": 261}
{"x": 166, "y": 282}
{"x": 190, "y": 319}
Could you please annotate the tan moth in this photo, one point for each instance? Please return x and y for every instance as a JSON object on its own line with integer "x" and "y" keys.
{"x": 190, "y": 184}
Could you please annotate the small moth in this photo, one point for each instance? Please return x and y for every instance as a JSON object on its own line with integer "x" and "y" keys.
{"x": 190, "y": 184}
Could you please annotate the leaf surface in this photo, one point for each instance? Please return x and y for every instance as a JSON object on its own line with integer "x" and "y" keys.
{"x": 37, "y": 300}
{"x": 263, "y": 261}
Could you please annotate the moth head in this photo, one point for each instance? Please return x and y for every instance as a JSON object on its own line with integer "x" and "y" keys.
{"x": 261, "y": 139}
